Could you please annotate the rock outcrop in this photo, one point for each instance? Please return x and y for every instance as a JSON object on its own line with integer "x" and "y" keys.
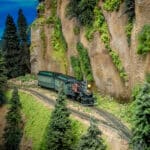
{"x": 105, "y": 74}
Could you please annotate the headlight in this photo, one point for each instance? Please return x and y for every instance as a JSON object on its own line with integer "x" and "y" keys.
{"x": 89, "y": 86}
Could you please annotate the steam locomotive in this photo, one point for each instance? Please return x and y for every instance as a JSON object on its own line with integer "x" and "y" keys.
{"x": 77, "y": 90}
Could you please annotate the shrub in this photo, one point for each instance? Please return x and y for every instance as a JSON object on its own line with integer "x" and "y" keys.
{"x": 101, "y": 26}
{"x": 128, "y": 30}
{"x": 53, "y": 4}
{"x": 76, "y": 30}
{"x": 143, "y": 39}
{"x": 58, "y": 40}
{"x": 26, "y": 78}
{"x": 97, "y": 24}
{"x": 130, "y": 9}
{"x": 72, "y": 9}
{"x": 116, "y": 60}
{"x": 111, "y": 5}
{"x": 85, "y": 62}
{"x": 105, "y": 37}
{"x": 75, "y": 62}
{"x": 141, "y": 119}
{"x": 89, "y": 32}
{"x": 41, "y": 8}
{"x": 43, "y": 41}
{"x": 83, "y": 10}
{"x": 147, "y": 77}
{"x": 135, "y": 91}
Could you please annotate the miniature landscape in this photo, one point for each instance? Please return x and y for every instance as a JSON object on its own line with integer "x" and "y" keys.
{"x": 75, "y": 75}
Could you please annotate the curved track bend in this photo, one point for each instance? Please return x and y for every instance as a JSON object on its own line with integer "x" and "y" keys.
{"x": 109, "y": 121}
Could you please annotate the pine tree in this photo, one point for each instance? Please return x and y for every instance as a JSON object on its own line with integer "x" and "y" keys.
{"x": 24, "y": 42}
{"x": 60, "y": 131}
{"x": 10, "y": 48}
{"x": 13, "y": 133}
{"x": 141, "y": 119}
{"x": 3, "y": 78}
{"x": 92, "y": 140}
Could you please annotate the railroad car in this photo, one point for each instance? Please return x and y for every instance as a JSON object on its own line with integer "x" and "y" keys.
{"x": 77, "y": 90}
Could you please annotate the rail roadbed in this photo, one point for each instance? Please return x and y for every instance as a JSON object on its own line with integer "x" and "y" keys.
{"x": 108, "y": 123}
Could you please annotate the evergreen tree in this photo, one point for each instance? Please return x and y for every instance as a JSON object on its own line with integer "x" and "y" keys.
{"x": 10, "y": 48}
{"x": 24, "y": 42}
{"x": 12, "y": 135}
{"x": 3, "y": 78}
{"x": 60, "y": 131}
{"x": 141, "y": 118}
{"x": 92, "y": 140}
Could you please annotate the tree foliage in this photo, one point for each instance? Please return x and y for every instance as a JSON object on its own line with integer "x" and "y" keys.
{"x": 23, "y": 42}
{"x": 10, "y": 47}
{"x": 76, "y": 66}
{"x": 141, "y": 118}
{"x": 3, "y": 78}
{"x": 92, "y": 139}
{"x": 130, "y": 9}
{"x": 12, "y": 133}
{"x": 84, "y": 62}
{"x": 59, "y": 135}
{"x": 83, "y": 10}
{"x": 112, "y": 5}
{"x": 143, "y": 39}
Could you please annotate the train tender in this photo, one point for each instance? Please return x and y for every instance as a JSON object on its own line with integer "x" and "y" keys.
{"x": 77, "y": 90}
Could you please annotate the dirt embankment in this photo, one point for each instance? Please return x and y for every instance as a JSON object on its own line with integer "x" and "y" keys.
{"x": 3, "y": 112}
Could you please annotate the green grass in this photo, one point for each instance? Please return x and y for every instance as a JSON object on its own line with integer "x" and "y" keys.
{"x": 122, "y": 111}
{"x": 26, "y": 78}
{"x": 37, "y": 118}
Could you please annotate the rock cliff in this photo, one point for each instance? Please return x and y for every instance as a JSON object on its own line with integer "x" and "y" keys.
{"x": 105, "y": 73}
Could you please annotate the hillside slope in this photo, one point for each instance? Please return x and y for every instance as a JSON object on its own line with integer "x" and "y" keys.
{"x": 115, "y": 71}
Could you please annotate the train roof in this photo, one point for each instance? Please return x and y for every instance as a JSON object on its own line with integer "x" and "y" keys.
{"x": 59, "y": 75}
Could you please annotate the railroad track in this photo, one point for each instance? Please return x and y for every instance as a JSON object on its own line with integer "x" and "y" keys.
{"x": 110, "y": 120}
{"x": 122, "y": 129}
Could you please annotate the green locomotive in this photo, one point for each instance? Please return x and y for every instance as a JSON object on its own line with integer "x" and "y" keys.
{"x": 78, "y": 90}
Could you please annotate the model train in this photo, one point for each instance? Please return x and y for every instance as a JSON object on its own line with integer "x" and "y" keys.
{"x": 78, "y": 90}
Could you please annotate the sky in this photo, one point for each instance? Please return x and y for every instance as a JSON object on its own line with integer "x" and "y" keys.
{"x": 12, "y": 6}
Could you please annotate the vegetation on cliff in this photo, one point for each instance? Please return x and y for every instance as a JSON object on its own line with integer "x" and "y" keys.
{"x": 85, "y": 62}
{"x": 101, "y": 26}
{"x": 81, "y": 64}
{"x": 130, "y": 10}
{"x": 82, "y": 10}
{"x": 112, "y": 5}
{"x": 144, "y": 40}
{"x": 76, "y": 66}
